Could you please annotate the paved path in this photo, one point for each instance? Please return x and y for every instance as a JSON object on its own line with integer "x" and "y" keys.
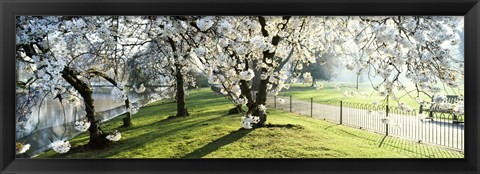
{"x": 437, "y": 131}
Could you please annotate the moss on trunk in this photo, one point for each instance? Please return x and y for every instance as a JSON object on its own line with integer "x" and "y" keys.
{"x": 97, "y": 139}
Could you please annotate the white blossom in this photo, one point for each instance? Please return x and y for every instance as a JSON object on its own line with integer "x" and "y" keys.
{"x": 247, "y": 75}
{"x": 115, "y": 136}
{"x": 258, "y": 42}
{"x": 241, "y": 101}
{"x": 269, "y": 86}
{"x": 236, "y": 90}
{"x": 140, "y": 89}
{"x": 110, "y": 73}
{"x": 214, "y": 80}
{"x": 21, "y": 148}
{"x": 241, "y": 49}
{"x": 282, "y": 75}
{"x": 82, "y": 125}
{"x": 459, "y": 108}
{"x": 307, "y": 77}
{"x": 350, "y": 66}
{"x": 261, "y": 108}
{"x": 225, "y": 28}
{"x": 205, "y": 23}
{"x": 223, "y": 91}
{"x": 249, "y": 120}
{"x": 61, "y": 146}
{"x": 118, "y": 95}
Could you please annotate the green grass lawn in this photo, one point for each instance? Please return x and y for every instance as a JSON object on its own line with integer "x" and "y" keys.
{"x": 209, "y": 133}
{"x": 330, "y": 92}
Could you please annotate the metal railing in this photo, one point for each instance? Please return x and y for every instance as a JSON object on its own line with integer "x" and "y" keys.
{"x": 442, "y": 129}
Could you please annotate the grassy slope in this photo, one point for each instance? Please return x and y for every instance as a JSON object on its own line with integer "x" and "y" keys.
{"x": 209, "y": 133}
{"x": 329, "y": 92}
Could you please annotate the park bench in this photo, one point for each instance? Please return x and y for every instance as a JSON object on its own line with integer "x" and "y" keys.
{"x": 436, "y": 109}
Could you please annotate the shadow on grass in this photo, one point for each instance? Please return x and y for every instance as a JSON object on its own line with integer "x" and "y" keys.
{"x": 217, "y": 144}
{"x": 288, "y": 126}
{"x": 197, "y": 112}
{"x": 160, "y": 103}
{"x": 157, "y": 130}
{"x": 383, "y": 140}
{"x": 297, "y": 88}
{"x": 401, "y": 145}
{"x": 142, "y": 139}
{"x": 331, "y": 126}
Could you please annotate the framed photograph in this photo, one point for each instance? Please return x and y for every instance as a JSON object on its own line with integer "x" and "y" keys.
{"x": 239, "y": 86}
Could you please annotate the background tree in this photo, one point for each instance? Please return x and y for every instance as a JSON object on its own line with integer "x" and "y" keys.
{"x": 170, "y": 46}
{"x": 421, "y": 48}
{"x": 129, "y": 37}
{"x": 322, "y": 69}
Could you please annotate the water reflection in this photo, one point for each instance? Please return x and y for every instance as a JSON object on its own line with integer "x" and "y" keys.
{"x": 53, "y": 121}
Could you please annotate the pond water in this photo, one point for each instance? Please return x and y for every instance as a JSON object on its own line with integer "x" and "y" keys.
{"x": 53, "y": 121}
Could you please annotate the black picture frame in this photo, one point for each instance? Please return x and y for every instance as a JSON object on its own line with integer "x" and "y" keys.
{"x": 470, "y": 9}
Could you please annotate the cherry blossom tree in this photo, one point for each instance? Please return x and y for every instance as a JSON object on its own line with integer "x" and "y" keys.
{"x": 129, "y": 38}
{"x": 277, "y": 47}
{"x": 168, "y": 53}
{"x": 239, "y": 54}
{"x": 421, "y": 48}
{"x": 64, "y": 54}
{"x": 52, "y": 71}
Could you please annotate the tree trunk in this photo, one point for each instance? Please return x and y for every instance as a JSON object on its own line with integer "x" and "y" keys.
{"x": 127, "y": 121}
{"x": 260, "y": 100}
{"x": 97, "y": 139}
{"x": 247, "y": 92}
{"x": 261, "y": 97}
{"x": 181, "y": 107}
